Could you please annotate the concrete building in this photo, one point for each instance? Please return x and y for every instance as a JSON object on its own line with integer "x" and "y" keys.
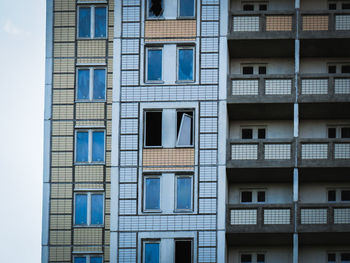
{"x": 197, "y": 131}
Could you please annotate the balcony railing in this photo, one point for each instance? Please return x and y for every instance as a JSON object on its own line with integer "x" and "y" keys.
{"x": 260, "y": 218}
{"x": 261, "y": 88}
{"x": 261, "y": 153}
{"x": 324, "y": 152}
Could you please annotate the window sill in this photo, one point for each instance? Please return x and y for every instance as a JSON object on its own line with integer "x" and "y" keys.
{"x": 183, "y": 211}
{"x": 90, "y": 101}
{"x": 153, "y": 147}
{"x": 185, "y": 82}
{"x": 86, "y": 226}
{"x": 99, "y": 163}
{"x": 92, "y": 38}
{"x": 152, "y": 211}
{"x": 153, "y": 82}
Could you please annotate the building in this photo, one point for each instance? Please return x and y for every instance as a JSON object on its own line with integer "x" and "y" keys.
{"x": 197, "y": 131}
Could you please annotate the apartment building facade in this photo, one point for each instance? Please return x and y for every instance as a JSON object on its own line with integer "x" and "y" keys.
{"x": 197, "y": 131}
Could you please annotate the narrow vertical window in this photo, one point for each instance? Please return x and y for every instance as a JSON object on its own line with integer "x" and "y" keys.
{"x": 81, "y": 201}
{"x": 185, "y": 64}
{"x": 183, "y": 251}
{"x": 96, "y": 209}
{"x": 154, "y": 64}
{"x": 88, "y": 209}
{"x": 184, "y": 128}
{"x": 331, "y": 258}
{"x": 99, "y": 86}
{"x": 183, "y": 193}
{"x": 186, "y": 8}
{"x": 92, "y": 22}
{"x": 153, "y": 128}
{"x": 155, "y": 8}
{"x": 84, "y": 22}
{"x": 261, "y": 197}
{"x": 246, "y": 197}
{"x": 82, "y": 148}
{"x": 83, "y": 87}
{"x": 91, "y": 84}
{"x": 98, "y": 146}
{"x": 152, "y": 193}
{"x": 100, "y": 21}
{"x": 345, "y": 132}
{"x": 332, "y": 132}
{"x": 261, "y": 133}
{"x": 332, "y": 197}
{"x": 151, "y": 254}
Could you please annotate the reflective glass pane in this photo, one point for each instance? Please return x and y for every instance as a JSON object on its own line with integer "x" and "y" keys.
{"x": 83, "y": 84}
{"x": 96, "y": 259}
{"x": 154, "y": 64}
{"x": 80, "y": 260}
{"x": 98, "y": 146}
{"x": 184, "y": 192}
{"x": 99, "y": 84}
{"x": 82, "y": 149}
{"x": 84, "y": 21}
{"x": 100, "y": 22}
{"x": 187, "y": 8}
{"x": 152, "y": 253}
{"x": 96, "y": 209}
{"x": 80, "y": 209}
{"x": 185, "y": 64}
{"x": 152, "y": 193}
{"x": 185, "y": 131}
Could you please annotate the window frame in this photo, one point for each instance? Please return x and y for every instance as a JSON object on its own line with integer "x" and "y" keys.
{"x": 254, "y": 195}
{"x": 90, "y": 149}
{"x": 150, "y": 241}
{"x": 89, "y": 208}
{"x": 92, "y": 20}
{"x": 338, "y": 193}
{"x": 256, "y": 5}
{"x": 146, "y": 80}
{"x": 182, "y": 210}
{"x": 91, "y": 84}
{"x": 193, "y": 129}
{"x": 192, "y": 247}
{"x": 255, "y": 67}
{"x": 145, "y": 177}
{"x": 87, "y": 257}
{"x": 148, "y": 17}
{"x": 255, "y": 132}
{"x": 337, "y": 254}
{"x": 145, "y": 130}
{"x": 254, "y": 256}
{"x": 187, "y": 17}
{"x": 185, "y": 47}
{"x": 337, "y": 130}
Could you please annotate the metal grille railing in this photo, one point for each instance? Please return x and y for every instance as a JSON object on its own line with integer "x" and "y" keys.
{"x": 246, "y": 24}
{"x": 325, "y": 149}
{"x": 324, "y": 214}
{"x": 326, "y": 21}
{"x": 277, "y": 151}
{"x": 342, "y": 22}
{"x": 278, "y": 87}
{"x": 342, "y": 86}
{"x": 342, "y": 151}
{"x": 245, "y": 87}
{"x": 314, "y": 86}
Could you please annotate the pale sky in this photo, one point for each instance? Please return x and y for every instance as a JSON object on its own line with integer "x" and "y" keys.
{"x": 22, "y": 66}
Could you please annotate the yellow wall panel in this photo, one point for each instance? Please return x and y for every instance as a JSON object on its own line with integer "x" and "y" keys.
{"x": 110, "y": 18}
{"x": 64, "y": 34}
{"x": 110, "y": 65}
{"x": 60, "y": 237}
{"x": 91, "y": 48}
{"x": 87, "y": 249}
{"x": 108, "y": 158}
{"x": 89, "y": 173}
{"x": 88, "y": 186}
{"x": 110, "y": 33}
{"x": 60, "y": 253}
{"x": 109, "y": 111}
{"x": 61, "y": 190}
{"x": 62, "y": 158}
{"x": 109, "y": 96}
{"x": 315, "y": 23}
{"x": 63, "y": 49}
{"x": 63, "y": 65}
{"x": 107, "y": 237}
{"x": 91, "y": 61}
{"x": 86, "y": 111}
{"x": 109, "y": 128}
{"x": 108, "y": 174}
{"x": 87, "y": 236}
{"x": 63, "y": 96}
{"x": 84, "y": 124}
{"x": 63, "y": 206}
{"x": 107, "y": 220}
{"x": 64, "y": 5}
{"x": 110, "y": 49}
{"x": 60, "y": 222}
{"x": 63, "y": 81}
{"x": 62, "y": 143}
{"x": 64, "y": 19}
{"x": 170, "y": 29}
{"x": 62, "y": 128}
{"x": 108, "y": 190}
{"x": 110, "y": 81}
{"x": 62, "y": 112}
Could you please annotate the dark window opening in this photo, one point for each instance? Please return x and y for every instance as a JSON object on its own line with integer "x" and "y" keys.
{"x": 245, "y": 258}
{"x": 332, "y": 6}
{"x": 261, "y": 197}
{"x": 332, "y": 69}
{"x": 262, "y": 70}
{"x": 153, "y": 129}
{"x": 345, "y": 69}
{"x": 247, "y": 133}
{"x": 261, "y": 133}
{"x": 246, "y": 197}
{"x": 248, "y": 70}
{"x": 248, "y": 7}
{"x": 262, "y": 7}
{"x": 331, "y": 258}
{"x": 332, "y": 132}
{"x": 331, "y": 196}
{"x": 345, "y": 6}
{"x": 345, "y": 195}
{"x": 183, "y": 251}
{"x": 260, "y": 258}
{"x": 155, "y": 8}
{"x": 184, "y": 128}
{"x": 345, "y": 132}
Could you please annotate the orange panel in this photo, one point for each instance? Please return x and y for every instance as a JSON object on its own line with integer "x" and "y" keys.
{"x": 168, "y": 30}
{"x": 315, "y": 23}
{"x": 279, "y": 23}
{"x": 174, "y": 158}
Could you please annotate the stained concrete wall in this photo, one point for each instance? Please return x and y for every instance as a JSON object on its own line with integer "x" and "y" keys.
{"x": 272, "y": 254}
{"x": 272, "y": 5}
{"x": 319, "y": 65}
{"x": 312, "y": 254}
{"x": 274, "y": 66}
{"x": 310, "y": 5}
{"x": 318, "y": 128}
{"x": 317, "y": 192}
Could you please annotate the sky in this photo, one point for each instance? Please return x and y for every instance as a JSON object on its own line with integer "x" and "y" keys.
{"x": 22, "y": 70}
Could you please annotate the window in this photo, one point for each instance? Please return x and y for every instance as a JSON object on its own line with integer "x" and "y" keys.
{"x": 332, "y": 6}
{"x": 338, "y": 132}
{"x": 262, "y": 70}
{"x": 91, "y": 84}
{"x": 92, "y": 22}
{"x": 246, "y": 258}
{"x": 152, "y": 193}
{"x": 154, "y": 65}
{"x": 184, "y": 128}
{"x": 332, "y": 69}
{"x": 151, "y": 252}
{"x": 183, "y": 251}
{"x": 254, "y": 6}
{"x": 186, "y": 8}
{"x": 248, "y": 7}
{"x": 155, "y": 8}
{"x": 88, "y": 209}
{"x": 332, "y": 258}
{"x": 332, "y": 196}
{"x": 250, "y": 69}
{"x": 345, "y": 6}
{"x": 345, "y": 195}
{"x": 88, "y": 259}
{"x": 253, "y": 196}
{"x": 338, "y": 195}
{"x": 338, "y": 257}
{"x": 253, "y": 258}
{"x": 339, "y": 68}
{"x": 90, "y": 146}
{"x": 253, "y": 133}
{"x": 345, "y": 68}
{"x": 153, "y": 129}
{"x": 183, "y": 192}
{"x": 185, "y": 62}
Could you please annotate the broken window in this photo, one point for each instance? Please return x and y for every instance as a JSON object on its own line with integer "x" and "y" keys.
{"x": 153, "y": 129}
{"x": 184, "y": 128}
{"x": 186, "y": 8}
{"x": 155, "y": 8}
{"x": 183, "y": 251}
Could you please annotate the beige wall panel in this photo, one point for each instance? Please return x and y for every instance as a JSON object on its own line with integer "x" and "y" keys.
{"x": 111, "y": 5}
{"x": 63, "y": 65}
{"x": 315, "y": 23}
{"x": 107, "y": 207}
{"x": 108, "y": 191}
{"x": 279, "y": 23}
{"x": 63, "y": 49}
{"x": 61, "y": 175}
{"x": 108, "y": 174}
{"x": 110, "y": 65}
{"x": 109, "y": 96}
{"x": 110, "y": 18}
{"x": 64, "y": 19}
{"x": 63, "y": 96}
{"x": 91, "y": 61}
{"x": 62, "y": 128}
{"x": 62, "y": 112}
{"x": 60, "y": 237}
{"x": 64, "y": 5}
{"x": 60, "y": 254}
{"x": 108, "y": 158}
{"x": 89, "y": 173}
{"x": 171, "y": 158}
{"x": 109, "y": 111}
{"x": 91, "y": 48}
{"x": 62, "y": 143}
{"x": 65, "y": 34}
{"x": 87, "y": 1}
{"x": 109, "y": 128}
{"x": 108, "y": 143}
{"x": 63, "y": 81}
{"x": 86, "y": 111}
{"x": 88, "y": 236}
{"x": 88, "y": 186}
{"x": 170, "y": 29}
{"x": 107, "y": 237}
{"x": 110, "y": 49}
{"x": 110, "y": 33}
{"x": 62, "y": 159}
{"x": 107, "y": 222}
{"x": 81, "y": 124}
{"x": 87, "y": 248}
{"x": 110, "y": 81}
{"x": 60, "y": 222}
{"x": 106, "y": 255}
{"x": 63, "y": 206}
{"x": 61, "y": 190}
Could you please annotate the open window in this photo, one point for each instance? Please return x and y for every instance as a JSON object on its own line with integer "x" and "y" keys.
{"x": 183, "y": 251}
{"x": 184, "y": 128}
{"x": 153, "y": 129}
{"x": 155, "y": 8}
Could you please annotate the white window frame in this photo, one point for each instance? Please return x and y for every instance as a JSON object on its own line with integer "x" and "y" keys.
{"x": 90, "y": 132}
{"x": 193, "y": 128}
{"x": 254, "y": 195}
{"x": 146, "y": 65}
{"x": 150, "y": 241}
{"x": 255, "y": 68}
{"x": 148, "y": 17}
{"x": 92, "y": 21}
{"x": 145, "y": 177}
{"x": 177, "y": 210}
{"x": 91, "y": 84}
{"x": 178, "y": 64}
{"x": 255, "y": 132}
{"x": 88, "y": 218}
{"x": 186, "y": 17}
{"x": 337, "y": 255}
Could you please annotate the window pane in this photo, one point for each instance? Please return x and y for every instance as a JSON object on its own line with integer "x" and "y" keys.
{"x": 152, "y": 253}
{"x": 154, "y": 67}
{"x": 100, "y": 22}
{"x": 155, "y": 8}
{"x": 262, "y": 70}
{"x": 332, "y": 6}
{"x": 185, "y": 131}
{"x": 99, "y": 84}
{"x": 152, "y": 193}
{"x": 84, "y": 21}
{"x": 153, "y": 129}
{"x": 261, "y": 196}
{"x": 80, "y": 209}
{"x": 261, "y": 133}
{"x": 332, "y": 132}
{"x": 98, "y": 146}
{"x": 248, "y": 70}
{"x": 331, "y": 196}
{"x": 345, "y": 69}
{"x": 247, "y": 133}
{"x": 246, "y": 258}
{"x": 183, "y": 252}
{"x": 332, "y": 69}
{"x": 345, "y": 132}
{"x": 186, "y": 7}
{"x": 331, "y": 258}
{"x": 248, "y": 7}
{"x": 83, "y": 84}
{"x": 345, "y": 195}
{"x": 97, "y": 259}
{"x": 96, "y": 209}
{"x": 80, "y": 260}
{"x": 185, "y": 64}
{"x": 184, "y": 193}
{"x": 260, "y": 258}
{"x": 82, "y": 149}
{"x": 246, "y": 197}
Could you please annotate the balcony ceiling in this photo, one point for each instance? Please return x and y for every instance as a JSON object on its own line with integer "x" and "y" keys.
{"x": 334, "y": 47}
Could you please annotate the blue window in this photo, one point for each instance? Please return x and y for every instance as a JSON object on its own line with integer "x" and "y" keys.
{"x": 90, "y": 146}
{"x": 184, "y": 193}
{"x": 88, "y": 209}
{"x": 185, "y": 64}
{"x": 152, "y": 193}
{"x": 151, "y": 253}
{"x": 88, "y": 259}
{"x": 154, "y": 64}
{"x": 91, "y": 84}
{"x": 92, "y": 22}
{"x": 186, "y": 8}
